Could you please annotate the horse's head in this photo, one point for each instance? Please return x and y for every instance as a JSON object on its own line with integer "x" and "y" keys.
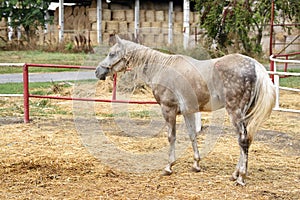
{"x": 114, "y": 61}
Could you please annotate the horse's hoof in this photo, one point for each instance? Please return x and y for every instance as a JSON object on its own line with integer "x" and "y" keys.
{"x": 232, "y": 178}
{"x": 240, "y": 181}
{"x": 196, "y": 169}
{"x": 167, "y": 173}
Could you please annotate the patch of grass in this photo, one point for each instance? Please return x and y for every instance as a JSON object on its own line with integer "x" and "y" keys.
{"x": 39, "y": 57}
{"x": 42, "y": 88}
{"x": 132, "y": 114}
{"x": 44, "y": 107}
{"x": 291, "y": 81}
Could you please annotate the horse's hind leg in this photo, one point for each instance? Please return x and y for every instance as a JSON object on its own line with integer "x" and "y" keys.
{"x": 244, "y": 142}
{"x": 191, "y": 127}
{"x": 198, "y": 122}
{"x": 170, "y": 117}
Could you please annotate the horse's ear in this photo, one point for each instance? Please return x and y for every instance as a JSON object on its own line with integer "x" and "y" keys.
{"x": 118, "y": 39}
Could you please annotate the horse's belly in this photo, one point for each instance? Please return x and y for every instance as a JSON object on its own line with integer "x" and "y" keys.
{"x": 214, "y": 103}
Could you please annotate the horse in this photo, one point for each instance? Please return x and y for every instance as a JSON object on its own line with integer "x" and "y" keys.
{"x": 186, "y": 86}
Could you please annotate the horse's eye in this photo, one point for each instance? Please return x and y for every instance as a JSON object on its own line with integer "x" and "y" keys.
{"x": 112, "y": 54}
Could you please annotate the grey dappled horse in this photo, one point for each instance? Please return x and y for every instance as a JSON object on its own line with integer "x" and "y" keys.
{"x": 183, "y": 85}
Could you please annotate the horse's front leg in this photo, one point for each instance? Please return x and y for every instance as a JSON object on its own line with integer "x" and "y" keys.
{"x": 170, "y": 117}
{"x": 191, "y": 127}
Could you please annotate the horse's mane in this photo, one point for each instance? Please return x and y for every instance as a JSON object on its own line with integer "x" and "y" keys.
{"x": 140, "y": 55}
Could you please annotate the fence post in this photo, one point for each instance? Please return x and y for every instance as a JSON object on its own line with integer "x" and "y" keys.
{"x": 114, "y": 92}
{"x": 276, "y": 83}
{"x": 26, "y": 93}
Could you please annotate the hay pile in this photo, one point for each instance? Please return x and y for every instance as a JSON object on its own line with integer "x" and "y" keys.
{"x": 118, "y": 18}
{"x": 47, "y": 159}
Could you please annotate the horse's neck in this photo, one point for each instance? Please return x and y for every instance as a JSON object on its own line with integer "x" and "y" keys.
{"x": 143, "y": 55}
{"x": 147, "y": 62}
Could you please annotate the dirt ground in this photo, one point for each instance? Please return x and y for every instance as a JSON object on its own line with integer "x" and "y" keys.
{"x": 48, "y": 159}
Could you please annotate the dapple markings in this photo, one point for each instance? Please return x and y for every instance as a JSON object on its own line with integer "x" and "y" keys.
{"x": 183, "y": 85}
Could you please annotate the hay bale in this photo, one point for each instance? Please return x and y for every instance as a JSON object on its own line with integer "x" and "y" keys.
{"x": 118, "y": 15}
{"x": 156, "y": 24}
{"x": 142, "y": 15}
{"x": 103, "y": 26}
{"x": 156, "y": 27}
{"x": 88, "y": 25}
{"x": 75, "y": 22}
{"x": 93, "y": 38}
{"x": 131, "y": 27}
{"x": 92, "y": 14}
{"x": 123, "y": 27}
{"x": 191, "y": 17}
{"x": 166, "y": 13}
{"x": 55, "y": 18}
{"x": 3, "y": 22}
{"x": 178, "y": 27}
{"x": 68, "y": 11}
{"x": 129, "y": 14}
{"x": 106, "y": 14}
{"x": 165, "y": 27}
{"x": 94, "y": 26}
{"x": 82, "y": 10}
{"x": 178, "y": 16}
{"x": 150, "y": 15}
{"x": 105, "y": 38}
{"x": 159, "y": 15}
{"x": 94, "y": 4}
{"x": 145, "y": 24}
{"x": 105, "y": 5}
{"x": 196, "y": 17}
{"x": 112, "y": 26}
{"x": 69, "y": 23}
{"x": 148, "y": 39}
{"x": 82, "y": 22}
{"x": 193, "y": 28}
{"x": 75, "y": 10}
{"x": 145, "y": 27}
{"x": 159, "y": 38}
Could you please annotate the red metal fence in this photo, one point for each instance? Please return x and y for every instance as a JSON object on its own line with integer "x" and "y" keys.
{"x": 27, "y": 95}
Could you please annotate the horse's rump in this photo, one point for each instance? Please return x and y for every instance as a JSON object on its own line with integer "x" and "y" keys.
{"x": 247, "y": 89}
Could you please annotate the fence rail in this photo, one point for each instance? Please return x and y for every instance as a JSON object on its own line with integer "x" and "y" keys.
{"x": 12, "y": 64}
{"x": 27, "y": 95}
{"x": 277, "y": 84}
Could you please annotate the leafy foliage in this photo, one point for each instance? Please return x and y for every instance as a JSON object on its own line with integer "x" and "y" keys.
{"x": 234, "y": 22}
{"x": 28, "y": 13}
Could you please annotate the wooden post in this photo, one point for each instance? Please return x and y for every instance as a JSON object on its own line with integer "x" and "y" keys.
{"x": 136, "y": 18}
{"x": 99, "y": 21}
{"x": 170, "y": 32}
{"x": 271, "y": 40}
{"x": 186, "y": 23}
{"x": 61, "y": 21}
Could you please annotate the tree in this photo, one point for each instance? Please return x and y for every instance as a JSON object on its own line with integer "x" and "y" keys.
{"x": 235, "y": 22}
{"x": 27, "y": 13}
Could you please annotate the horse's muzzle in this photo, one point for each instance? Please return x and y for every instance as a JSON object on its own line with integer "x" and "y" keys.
{"x": 101, "y": 72}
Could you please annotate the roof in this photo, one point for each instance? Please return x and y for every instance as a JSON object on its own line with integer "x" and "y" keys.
{"x": 81, "y": 2}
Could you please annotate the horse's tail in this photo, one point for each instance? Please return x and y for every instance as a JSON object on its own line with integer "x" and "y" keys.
{"x": 263, "y": 101}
